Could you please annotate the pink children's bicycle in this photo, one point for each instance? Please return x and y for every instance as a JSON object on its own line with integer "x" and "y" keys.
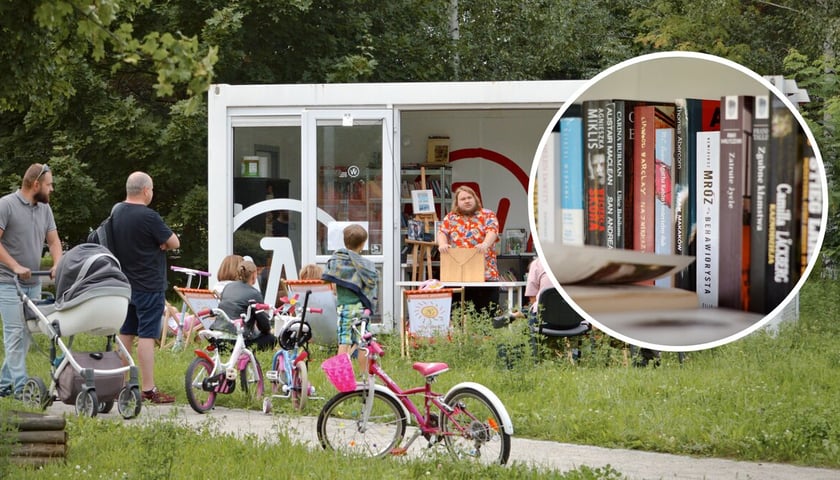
{"x": 370, "y": 419}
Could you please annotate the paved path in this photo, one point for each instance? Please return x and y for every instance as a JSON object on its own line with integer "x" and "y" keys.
{"x": 636, "y": 465}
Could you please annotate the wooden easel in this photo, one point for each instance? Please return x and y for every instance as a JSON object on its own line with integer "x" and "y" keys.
{"x": 421, "y": 254}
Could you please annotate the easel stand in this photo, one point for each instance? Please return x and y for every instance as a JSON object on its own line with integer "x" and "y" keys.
{"x": 421, "y": 254}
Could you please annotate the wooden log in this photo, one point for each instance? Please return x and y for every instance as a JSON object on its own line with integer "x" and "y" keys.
{"x": 38, "y": 436}
{"x": 39, "y": 450}
{"x": 25, "y": 421}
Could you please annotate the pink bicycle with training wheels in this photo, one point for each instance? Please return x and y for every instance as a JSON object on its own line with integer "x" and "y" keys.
{"x": 367, "y": 418}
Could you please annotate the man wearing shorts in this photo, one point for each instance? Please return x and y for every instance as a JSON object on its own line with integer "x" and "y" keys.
{"x": 141, "y": 240}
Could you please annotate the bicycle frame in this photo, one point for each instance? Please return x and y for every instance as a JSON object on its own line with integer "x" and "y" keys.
{"x": 431, "y": 398}
{"x": 239, "y": 358}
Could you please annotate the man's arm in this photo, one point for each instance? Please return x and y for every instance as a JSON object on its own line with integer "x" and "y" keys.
{"x": 54, "y": 243}
{"x": 171, "y": 243}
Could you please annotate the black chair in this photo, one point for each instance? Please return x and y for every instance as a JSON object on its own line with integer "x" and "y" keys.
{"x": 557, "y": 319}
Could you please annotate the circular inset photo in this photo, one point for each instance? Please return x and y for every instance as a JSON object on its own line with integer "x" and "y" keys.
{"x": 679, "y": 201}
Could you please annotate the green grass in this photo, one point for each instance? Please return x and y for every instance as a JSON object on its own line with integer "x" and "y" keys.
{"x": 763, "y": 398}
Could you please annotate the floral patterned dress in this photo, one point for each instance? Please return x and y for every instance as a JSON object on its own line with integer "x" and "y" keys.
{"x": 469, "y": 231}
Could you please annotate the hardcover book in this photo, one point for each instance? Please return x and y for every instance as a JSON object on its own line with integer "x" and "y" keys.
{"x": 756, "y": 300}
{"x": 708, "y": 197}
{"x": 812, "y": 205}
{"x": 547, "y": 188}
{"x": 610, "y": 210}
{"x": 693, "y": 115}
{"x": 571, "y": 178}
{"x": 648, "y": 119}
{"x": 663, "y": 187}
{"x": 595, "y": 172}
{"x": 783, "y": 205}
{"x": 625, "y": 136}
{"x": 735, "y": 137}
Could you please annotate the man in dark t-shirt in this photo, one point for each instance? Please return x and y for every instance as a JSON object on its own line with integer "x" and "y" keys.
{"x": 141, "y": 239}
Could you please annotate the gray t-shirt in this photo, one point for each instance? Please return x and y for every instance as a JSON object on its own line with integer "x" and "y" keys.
{"x": 25, "y": 227}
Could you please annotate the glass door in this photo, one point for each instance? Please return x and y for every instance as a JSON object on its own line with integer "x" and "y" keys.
{"x": 350, "y": 157}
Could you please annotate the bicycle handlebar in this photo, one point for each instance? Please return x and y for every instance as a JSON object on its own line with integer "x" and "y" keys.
{"x": 189, "y": 271}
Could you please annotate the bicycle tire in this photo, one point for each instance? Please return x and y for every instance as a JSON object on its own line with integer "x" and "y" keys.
{"x": 300, "y": 385}
{"x": 251, "y": 380}
{"x": 481, "y": 437}
{"x": 200, "y": 400}
{"x": 338, "y": 424}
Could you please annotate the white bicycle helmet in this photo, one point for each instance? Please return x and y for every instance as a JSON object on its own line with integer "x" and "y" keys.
{"x": 293, "y": 334}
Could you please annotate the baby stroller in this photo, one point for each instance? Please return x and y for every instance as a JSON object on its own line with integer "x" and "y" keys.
{"x": 92, "y": 296}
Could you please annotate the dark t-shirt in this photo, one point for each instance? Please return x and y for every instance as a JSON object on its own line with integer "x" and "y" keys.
{"x": 138, "y": 233}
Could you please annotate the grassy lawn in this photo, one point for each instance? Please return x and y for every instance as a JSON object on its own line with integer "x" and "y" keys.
{"x": 762, "y": 398}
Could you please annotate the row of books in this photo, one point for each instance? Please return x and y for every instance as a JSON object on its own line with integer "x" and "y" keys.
{"x": 730, "y": 181}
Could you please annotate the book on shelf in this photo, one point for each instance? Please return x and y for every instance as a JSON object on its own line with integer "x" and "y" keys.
{"x": 663, "y": 189}
{"x": 571, "y": 183}
{"x": 625, "y": 137}
{"x": 708, "y": 217}
{"x": 812, "y": 205}
{"x": 547, "y": 187}
{"x": 735, "y": 138}
{"x": 594, "y": 168}
{"x": 756, "y": 301}
{"x": 692, "y": 115}
{"x": 610, "y": 204}
{"x": 784, "y": 204}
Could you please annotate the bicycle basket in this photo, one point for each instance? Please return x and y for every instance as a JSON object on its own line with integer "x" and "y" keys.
{"x": 294, "y": 333}
{"x": 339, "y": 371}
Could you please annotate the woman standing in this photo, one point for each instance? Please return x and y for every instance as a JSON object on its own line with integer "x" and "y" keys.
{"x": 469, "y": 225}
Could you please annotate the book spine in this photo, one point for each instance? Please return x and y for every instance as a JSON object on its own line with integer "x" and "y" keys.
{"x": 782, "y": 219}
{"x": 708, "y": 196}
{"x": 812, "y": 206}
{"x": 683, "y": 192}
{"x": 663, "y": 202}
{"x": 643, "y": 177}
{"x": 626, "y": 116}
{"x": 758, "y": 203}
{"x": 571, "y": 178}
{"x": 594, "y": 125}
{"x": 548, "y": 199}
{"x": 620, "y": 163}
{"x": 610, "y": 210}
{"x": 735, "y": 133}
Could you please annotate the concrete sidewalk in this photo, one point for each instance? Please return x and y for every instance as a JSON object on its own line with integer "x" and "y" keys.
{"x": 636, "y": 465}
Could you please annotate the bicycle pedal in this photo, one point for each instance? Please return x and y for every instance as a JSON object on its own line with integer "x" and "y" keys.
{"x": 399, "y": 452}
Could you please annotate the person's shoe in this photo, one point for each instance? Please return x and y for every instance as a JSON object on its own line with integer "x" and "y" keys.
{"x": 156, "y": 396}
{"x": 6, "y": 392}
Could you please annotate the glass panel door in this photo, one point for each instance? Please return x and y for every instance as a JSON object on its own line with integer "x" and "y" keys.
{"x": 353, "y": 163}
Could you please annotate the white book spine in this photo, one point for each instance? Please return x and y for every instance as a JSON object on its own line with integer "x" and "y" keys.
{"x": 708, "y": 217}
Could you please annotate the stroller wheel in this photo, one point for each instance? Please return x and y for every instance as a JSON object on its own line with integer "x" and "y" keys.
{"x": 35, "y": 393}
{"x": 87, "y": 404}
{"x": 106, "y": 406}
{"x": 129, "y": 402}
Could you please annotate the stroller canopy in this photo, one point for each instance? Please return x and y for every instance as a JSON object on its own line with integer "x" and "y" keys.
{"x": 87, "y": 271}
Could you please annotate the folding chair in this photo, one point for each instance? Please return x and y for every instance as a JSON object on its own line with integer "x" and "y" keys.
{"x": 194, "y": 300}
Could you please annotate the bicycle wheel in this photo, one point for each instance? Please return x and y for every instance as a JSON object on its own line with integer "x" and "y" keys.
{"x": 341, "y": 425}
{"x": 300, "y": 385}
{"x": 251, "y": 380}
{"x": 475, "y": 430}
{"x": 200, "y": 400}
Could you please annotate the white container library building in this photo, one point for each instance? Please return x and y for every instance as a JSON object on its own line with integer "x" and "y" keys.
{"x": 290, "y": 165}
